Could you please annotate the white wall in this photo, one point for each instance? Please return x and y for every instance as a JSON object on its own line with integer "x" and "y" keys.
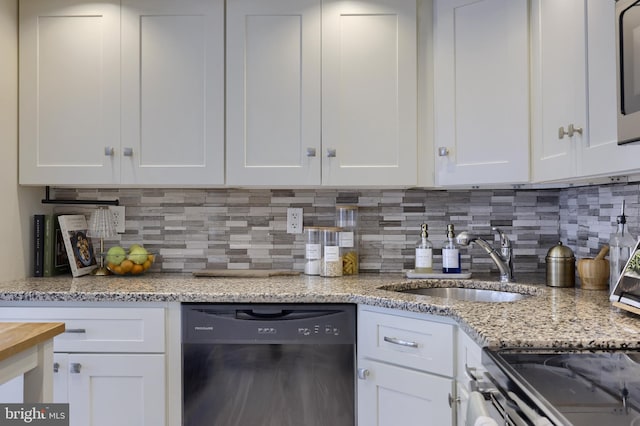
{"x": 17, "y": 204}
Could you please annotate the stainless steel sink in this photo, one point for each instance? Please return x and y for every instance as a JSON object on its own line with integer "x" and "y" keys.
{"x": 468, "y": 294}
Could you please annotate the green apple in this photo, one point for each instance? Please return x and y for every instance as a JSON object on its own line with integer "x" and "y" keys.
{"x": 116, "y": 255}
{"x": 138, "y": 254}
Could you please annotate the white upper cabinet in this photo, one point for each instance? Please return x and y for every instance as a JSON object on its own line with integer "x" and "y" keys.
{"x": 369, "y": 92}
{"x": 273, "y": 92}
{"x": 69, "y": 92}
{"x": 481, "y": 91}
{"x": 121, "y": 94}
{"x": 172, "y": 92}
{"x": 321, "y": 93}
{"x": 574, "y": 94}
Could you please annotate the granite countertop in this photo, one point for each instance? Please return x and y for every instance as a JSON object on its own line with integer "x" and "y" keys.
{"x": 549, "y": 318}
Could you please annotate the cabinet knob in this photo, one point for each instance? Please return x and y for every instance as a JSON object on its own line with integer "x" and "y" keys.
{"x": 75, "y": 367}
{"x": 562, "y": 132}
{"x": 331, "y": 152}
{"x": 451, "y": 400}
{"x": 311, "y": 152}
{"x": 443, "y": 151}
{"x": 108, "y": 151}
{"x": 363, "y": 373}
{"x": 56, "y": 367}
{"x": 128, "y": 152}
{"x": 572, "y": 130}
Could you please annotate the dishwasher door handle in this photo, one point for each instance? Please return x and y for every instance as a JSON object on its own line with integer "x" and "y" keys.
{"x": 275, "y": 315}
{"x": 400, "y": 342}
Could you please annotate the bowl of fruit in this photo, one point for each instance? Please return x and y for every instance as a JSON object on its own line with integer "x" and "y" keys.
{"x": 134, "y": 261}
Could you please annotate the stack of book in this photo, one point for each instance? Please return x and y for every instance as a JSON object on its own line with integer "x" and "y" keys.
{"x": 50, "y": 256}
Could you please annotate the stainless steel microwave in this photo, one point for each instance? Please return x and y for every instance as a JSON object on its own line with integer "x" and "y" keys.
{"x": 628, "y": 68}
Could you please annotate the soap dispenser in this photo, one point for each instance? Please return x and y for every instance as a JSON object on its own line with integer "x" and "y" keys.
{"x": 621, "y": 243}
{"x": 450, "y": 253}
{"x": 424, "y": 251}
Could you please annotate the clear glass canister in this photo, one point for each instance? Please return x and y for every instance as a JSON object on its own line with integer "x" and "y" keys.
{"x": 313, "y": 250}
{"x": 331, "y": 264}
{"x": 347, "y": 219}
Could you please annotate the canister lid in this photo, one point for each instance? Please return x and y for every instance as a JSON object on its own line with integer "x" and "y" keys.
{"x": 560, "y": 251}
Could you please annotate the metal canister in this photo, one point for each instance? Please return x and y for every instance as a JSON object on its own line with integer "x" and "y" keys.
{"x": 561, "y": 266}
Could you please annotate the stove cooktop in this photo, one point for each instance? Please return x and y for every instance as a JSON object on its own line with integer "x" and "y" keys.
{"x": 573, "y": 388}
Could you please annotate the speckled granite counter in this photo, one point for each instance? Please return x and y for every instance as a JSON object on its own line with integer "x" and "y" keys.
{"x": 550, "y": 317}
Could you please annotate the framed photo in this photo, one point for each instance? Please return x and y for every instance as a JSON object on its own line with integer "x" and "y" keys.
{"x": 82, "y": 259}
{"x": 626, "y": 293}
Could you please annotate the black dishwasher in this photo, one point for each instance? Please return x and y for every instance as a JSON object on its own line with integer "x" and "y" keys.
{"x": 268, "y": 364}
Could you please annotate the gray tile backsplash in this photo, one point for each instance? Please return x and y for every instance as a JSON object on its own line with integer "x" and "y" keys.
{"x": 246, "y": 228}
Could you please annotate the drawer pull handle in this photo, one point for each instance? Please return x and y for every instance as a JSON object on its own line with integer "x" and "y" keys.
{"x": 75, "y": 367}
{"x": 400, "y": 342}
{"x": 76, "y": 330}
{"x": 56, "y": 367}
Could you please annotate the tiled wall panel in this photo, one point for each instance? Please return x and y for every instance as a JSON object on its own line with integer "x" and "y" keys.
{"x": 246, "y": 228}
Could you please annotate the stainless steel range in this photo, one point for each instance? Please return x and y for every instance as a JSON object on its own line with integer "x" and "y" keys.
{"x": 580, "y": 388}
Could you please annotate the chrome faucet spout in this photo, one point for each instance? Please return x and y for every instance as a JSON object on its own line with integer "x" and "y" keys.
{"x": 503, "y": 258}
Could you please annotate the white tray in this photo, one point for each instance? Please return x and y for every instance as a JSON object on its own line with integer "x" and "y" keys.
{"x": 437, "y": 275}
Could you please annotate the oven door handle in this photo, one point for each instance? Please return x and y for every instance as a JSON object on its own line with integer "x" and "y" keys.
{"x": 535, "y": 418}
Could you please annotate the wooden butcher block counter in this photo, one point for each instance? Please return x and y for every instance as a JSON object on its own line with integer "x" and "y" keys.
{"x": 27, "y": 348}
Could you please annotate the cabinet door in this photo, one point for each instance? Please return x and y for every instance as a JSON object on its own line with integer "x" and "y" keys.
{"x": 124, "y": 390}
{"x": 273, "y": 92}
{"x": 369, "y": 92}
{"x": 172, "y": 92}
{"x": 391, "y": 396}
{"x": 559, "y": 86}
{"x": 69, "y": 91}
{"x": 601, "y": 133}
{"x": 481, "y": 91}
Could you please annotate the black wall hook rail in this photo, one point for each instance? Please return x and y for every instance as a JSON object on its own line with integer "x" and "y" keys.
{"x": 48, "y": 200}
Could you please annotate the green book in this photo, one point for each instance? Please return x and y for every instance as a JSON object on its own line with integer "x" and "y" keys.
{"x": 55, "y": 254}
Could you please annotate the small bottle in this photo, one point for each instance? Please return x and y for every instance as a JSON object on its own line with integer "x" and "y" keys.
{"x": 424, "y": 252}
{"x": 621, "y": 244}
{"x": 450, "y": 254}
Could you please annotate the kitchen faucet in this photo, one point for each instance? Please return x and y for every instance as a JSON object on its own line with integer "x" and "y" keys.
{"x": 502, "y": 259}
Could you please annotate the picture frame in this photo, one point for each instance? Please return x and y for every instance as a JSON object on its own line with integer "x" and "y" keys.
{"x": 80, "y": 252}
{"x": 626, "y": 292}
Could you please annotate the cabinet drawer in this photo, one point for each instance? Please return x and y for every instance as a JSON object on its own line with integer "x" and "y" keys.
{"x": 410, "y": 342}
{"x": 99, "y": 329}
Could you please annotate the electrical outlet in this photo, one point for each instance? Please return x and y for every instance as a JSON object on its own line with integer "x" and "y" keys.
{"x": 294, "y": 221}
{"x": 118, "y": 218}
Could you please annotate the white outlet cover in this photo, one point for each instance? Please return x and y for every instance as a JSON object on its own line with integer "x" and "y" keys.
{"x": 118, "y": 213}
{"x": 294, "y": 220}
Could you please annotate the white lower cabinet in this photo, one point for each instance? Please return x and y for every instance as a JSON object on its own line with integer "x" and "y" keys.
{"x": 108, "y": 389}
{"x": 393, "y": 395}
{"x": 109, "y": 365}
{"x": 405, "y": 369}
